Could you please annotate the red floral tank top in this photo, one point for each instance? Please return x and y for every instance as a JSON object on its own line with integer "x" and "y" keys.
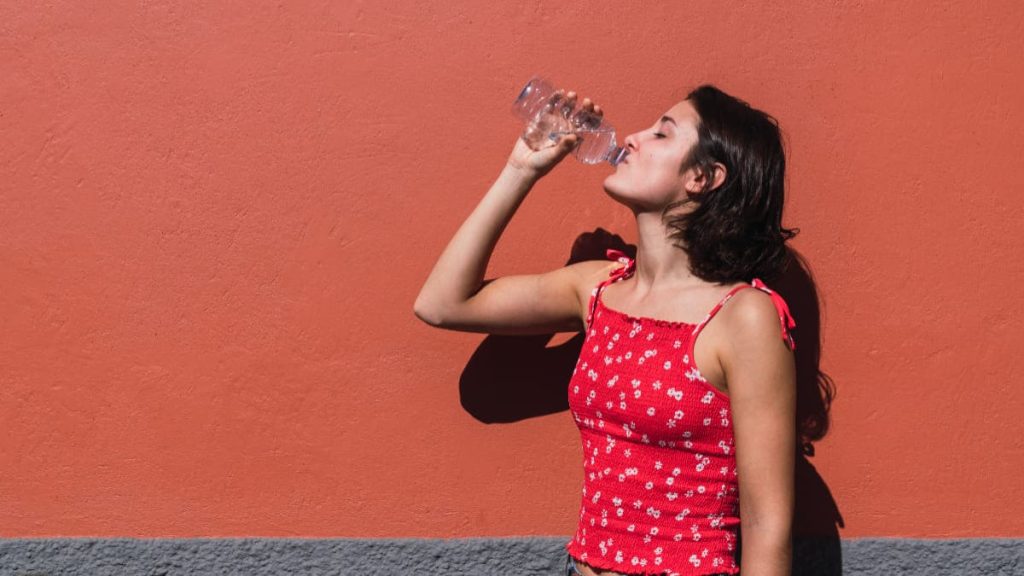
{"x": 660, "y": 490}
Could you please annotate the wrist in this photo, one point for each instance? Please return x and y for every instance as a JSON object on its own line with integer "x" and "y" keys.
{"x": 521, "y": 173}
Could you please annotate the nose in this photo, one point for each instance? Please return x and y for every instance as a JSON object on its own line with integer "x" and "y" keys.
{"x": 630, "y": 142}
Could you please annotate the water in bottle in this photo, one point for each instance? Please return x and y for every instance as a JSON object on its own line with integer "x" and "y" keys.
{"x": 548, "y": 116}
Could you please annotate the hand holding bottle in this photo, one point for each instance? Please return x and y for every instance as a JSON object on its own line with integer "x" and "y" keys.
{"x": 535, "y": 152}
{"x": 550, "y": 114}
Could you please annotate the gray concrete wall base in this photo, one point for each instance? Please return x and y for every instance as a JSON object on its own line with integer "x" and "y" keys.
{"x": 541, "y": 556}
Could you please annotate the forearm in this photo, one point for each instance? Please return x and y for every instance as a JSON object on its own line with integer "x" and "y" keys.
{"x": 459, "y": 271}
{"x": 767, "y": 551}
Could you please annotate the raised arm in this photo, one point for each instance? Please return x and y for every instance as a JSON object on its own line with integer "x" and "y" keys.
{"x": 455, "y": 295}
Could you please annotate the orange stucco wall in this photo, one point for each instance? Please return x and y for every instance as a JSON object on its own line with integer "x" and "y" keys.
{"x": 214, "y": 220}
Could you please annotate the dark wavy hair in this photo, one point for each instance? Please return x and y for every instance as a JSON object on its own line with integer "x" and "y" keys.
{"x": 734, "y": 233}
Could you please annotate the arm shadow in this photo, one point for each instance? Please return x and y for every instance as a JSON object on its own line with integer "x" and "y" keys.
{"x": 512, "y": 378}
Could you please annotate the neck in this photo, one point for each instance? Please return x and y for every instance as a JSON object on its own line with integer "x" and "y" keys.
{"x": 660, "y": 263}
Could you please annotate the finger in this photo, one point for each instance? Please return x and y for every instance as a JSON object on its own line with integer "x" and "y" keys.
{"x": 556, "y": 99}
{"x": 587, "y": 105}
{"x": 598, "y": 110}
{"x": 571, "y": 100}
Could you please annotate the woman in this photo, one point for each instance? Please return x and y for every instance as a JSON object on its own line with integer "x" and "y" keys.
{"x": 667, "y": 447}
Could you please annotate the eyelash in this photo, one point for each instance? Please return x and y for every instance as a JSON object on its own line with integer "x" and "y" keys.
{"x": 659, "y": 135}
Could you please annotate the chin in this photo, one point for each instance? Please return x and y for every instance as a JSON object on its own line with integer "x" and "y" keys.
{"x": 619, "y": 193}
{"x": 612, "y": 188}
{"x": 636, "y": 200}
{"x": 614, "y": 185}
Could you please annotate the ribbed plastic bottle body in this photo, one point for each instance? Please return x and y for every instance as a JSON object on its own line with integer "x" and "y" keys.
{"x": 548, "y": 116}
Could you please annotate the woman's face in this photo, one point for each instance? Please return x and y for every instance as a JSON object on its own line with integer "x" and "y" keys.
{"x": 649, "y": 178}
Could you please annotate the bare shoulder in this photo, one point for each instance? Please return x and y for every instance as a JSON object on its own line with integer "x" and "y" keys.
{"x": 586, "y": 275}
{"x": 751, "y": 309}
{"x": 755, "y": 339}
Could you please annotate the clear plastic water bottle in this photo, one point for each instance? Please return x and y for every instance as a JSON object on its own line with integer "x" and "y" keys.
{"x": 548, "y": 116}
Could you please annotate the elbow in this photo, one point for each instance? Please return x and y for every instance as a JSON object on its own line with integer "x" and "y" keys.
{"x": 427, "y": 313}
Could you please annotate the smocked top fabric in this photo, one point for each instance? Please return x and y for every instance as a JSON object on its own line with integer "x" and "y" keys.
{"x": 660, "y": 488}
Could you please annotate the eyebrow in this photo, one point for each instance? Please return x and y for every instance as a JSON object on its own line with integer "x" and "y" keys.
{"x": 668, "y": 119}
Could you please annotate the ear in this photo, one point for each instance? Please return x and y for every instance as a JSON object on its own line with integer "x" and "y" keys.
{"x": 699, "y": 179}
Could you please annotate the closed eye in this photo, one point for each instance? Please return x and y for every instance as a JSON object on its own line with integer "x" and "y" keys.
{"x": 659, "y": 135}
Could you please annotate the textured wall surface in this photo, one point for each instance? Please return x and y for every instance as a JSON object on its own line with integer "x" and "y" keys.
{"x": 215, "y": 217}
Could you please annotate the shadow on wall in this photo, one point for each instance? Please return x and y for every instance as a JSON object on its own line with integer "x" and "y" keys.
{"x": 511, "y": 378}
